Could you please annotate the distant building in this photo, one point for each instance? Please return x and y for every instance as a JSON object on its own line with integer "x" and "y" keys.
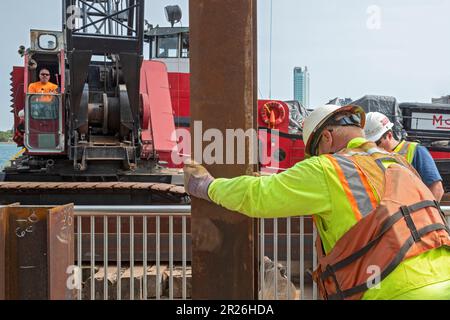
{"x": 444, "y": 99}
{"x": 301, "y": 86}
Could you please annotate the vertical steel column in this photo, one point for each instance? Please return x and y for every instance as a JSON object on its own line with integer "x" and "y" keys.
{"x": 223, "y": 96}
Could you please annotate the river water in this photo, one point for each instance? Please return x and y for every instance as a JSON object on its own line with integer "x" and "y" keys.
{"x": 7, "y": 151}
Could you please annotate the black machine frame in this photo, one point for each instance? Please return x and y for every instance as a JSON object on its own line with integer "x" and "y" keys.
{"x": 119, "y": 29}
{"x": 114, "y": 30}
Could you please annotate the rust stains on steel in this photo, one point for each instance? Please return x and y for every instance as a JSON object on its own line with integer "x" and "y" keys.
{"x": 223, "y": 96}
{"x": 36, "y": 250}
{"x": 91, "y": 193}
{"x": 160, "y": 187}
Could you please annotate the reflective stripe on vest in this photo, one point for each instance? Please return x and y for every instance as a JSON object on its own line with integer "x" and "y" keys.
{"x": 355, "y": 185}
{"x": 407, "y": 149}
{"x": 364, "y": 153}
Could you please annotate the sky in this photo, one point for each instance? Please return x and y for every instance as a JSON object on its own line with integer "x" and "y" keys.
{"x": 351, "y": 47}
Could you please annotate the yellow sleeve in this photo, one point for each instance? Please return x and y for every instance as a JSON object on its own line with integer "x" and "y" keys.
{"x": 301, "y": 190}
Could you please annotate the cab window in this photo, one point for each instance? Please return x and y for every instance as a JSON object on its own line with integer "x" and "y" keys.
{"x": 167, "y": 46}
{"x": 48, "y": 42}
{"x": 44, "y": 107}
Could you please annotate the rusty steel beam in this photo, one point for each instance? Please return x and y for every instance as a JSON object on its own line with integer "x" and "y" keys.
{"x": 84, "y": 193}
{"x": 223, "y": 96}
{"x": 36, "y": 249}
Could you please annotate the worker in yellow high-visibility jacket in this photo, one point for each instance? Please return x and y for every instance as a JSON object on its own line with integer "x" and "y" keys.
{"x": 379, "y": 130}
{"x": 342, "y": 186}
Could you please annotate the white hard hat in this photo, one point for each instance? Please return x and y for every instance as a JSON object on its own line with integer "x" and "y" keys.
{"x": 21, "y": 114}
{"x": 377, "y": 124}
{"x": 315, "y": 122}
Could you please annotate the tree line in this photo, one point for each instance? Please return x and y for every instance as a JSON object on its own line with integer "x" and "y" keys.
{"x": 6, "y": 136}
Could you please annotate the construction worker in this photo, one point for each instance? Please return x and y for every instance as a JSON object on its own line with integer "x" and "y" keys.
{"x": 20, "y": 129}
{"x": 379, "y": 130}
{"x": 362, "y": 199}
{"x": 44, "y": 85}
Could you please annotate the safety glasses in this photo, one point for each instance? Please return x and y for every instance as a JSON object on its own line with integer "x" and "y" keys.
{"x": 353, "y": 119}
{"x": 348, "y": 120}
{"x": 316, "y": 142}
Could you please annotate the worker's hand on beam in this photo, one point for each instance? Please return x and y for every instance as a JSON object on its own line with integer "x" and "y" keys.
{"x": 197, "y": 180}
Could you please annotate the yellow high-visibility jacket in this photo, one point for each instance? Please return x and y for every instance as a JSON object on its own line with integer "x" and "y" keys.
{"x": 312, "y": 187}
{"x": 407, "y": 149}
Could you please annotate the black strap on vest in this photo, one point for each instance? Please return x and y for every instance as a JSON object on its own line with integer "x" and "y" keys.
{"x": 339, "y": 293}
{"x": 386, "y": 226}
{"x": 394, "y": 264}
{"x": 410, "y": 223}
{"x": 444, "y": 219}
{"x": 404, "y": 213}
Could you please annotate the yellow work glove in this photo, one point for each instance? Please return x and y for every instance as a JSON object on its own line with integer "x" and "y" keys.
{"x": 197, "y": 180}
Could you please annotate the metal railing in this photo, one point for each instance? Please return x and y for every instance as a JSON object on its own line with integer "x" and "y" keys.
{"x": 288, "y": 259}
{"x": 281, "y": 285}
{"x": 142, "y": 242}
{"x": 138, "y": 271}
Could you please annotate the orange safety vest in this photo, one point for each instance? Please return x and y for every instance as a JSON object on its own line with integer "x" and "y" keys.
{"x": 404, "y": 224}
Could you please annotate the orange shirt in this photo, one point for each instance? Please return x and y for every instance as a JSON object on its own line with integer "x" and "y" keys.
{"x": 38, "y": 87}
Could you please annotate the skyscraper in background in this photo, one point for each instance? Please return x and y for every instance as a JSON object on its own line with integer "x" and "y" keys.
{"x": 301, "y": 85}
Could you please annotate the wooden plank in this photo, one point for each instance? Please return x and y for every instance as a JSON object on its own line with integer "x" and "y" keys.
{"x": 99, "y": 281}
{"x": 152, "y": 279}
{"x": 137, "y": 279}
{"x": 178, "y": 282}
{"x": 223, "y": 96}
{"x": 125, "y": 280}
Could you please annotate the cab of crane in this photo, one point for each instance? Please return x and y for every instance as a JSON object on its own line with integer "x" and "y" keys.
{"x": 168, "y": 43}
{"x": 44, "y": 116}
{"x": 46, "y": 52}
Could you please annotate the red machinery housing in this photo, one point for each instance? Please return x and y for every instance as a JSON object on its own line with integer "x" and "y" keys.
{"x": 280, "y": 132}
